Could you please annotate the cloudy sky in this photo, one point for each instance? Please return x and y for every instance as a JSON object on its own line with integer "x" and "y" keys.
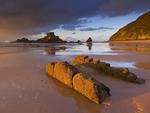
{"x": 70, "y": 19}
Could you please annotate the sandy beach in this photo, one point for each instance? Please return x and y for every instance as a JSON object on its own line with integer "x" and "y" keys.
{"x": 25, "y": 88}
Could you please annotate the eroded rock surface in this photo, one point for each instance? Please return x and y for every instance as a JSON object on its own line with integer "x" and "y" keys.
{"x": 82, "y": 83}
{"x": 120, "y": 73}
{"x": 61, "y": 71}
{"x": 89, "y": 87}
{"x": 83, "y": 59}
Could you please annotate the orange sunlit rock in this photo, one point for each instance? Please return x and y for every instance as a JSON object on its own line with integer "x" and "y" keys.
{"x": 120, "y": 73}
{"x": 82, "y": 83}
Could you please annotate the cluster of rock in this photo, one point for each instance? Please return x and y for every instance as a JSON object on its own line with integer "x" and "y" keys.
{"x": 23, "y": 40}
{"x": 80, "y": 82}
{"x": 120, "y": 73}
{"x": 137, "y": 30}
{"x": 49, "y": 38}
{"x": 78, "y": 41}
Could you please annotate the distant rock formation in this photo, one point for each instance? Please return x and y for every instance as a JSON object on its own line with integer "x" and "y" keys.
{"x": 89, "y": 40}
{"x": 137, "y": 30}
{"x": 78, "y": 41}
{"x": 49, "y": 38}
{"x": 23, "y": 40}
{"x": 120, "y": 73}
{"x": 80, "y": 82}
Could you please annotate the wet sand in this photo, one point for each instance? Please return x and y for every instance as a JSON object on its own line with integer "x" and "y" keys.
{"x": 25, "y": 88}
{"x": 144, "y": 65}
{"x": 132, "y": 41}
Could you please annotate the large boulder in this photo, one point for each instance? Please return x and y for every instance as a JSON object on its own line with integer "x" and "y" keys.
{"x": 90, "y": 88}
{"x": 83, "y": 83}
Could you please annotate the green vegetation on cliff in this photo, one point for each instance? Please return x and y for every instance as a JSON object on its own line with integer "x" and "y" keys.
{"x": 137, "y": 30}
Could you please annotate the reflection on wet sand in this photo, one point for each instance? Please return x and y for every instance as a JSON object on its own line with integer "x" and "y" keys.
{"x": 82, "y": 102}
{"x": 130, "y": 47}
{"x": 89, "y": 45}
{"x": 143, "y": 65}
{"x": 133, "y": 49}
{"x": 52, "y": 50}
{"x": 7, "y": 50}
{"x": 139, "y": 107}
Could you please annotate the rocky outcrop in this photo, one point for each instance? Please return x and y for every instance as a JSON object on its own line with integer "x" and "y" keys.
{"x": 49, "y": 38}
{"x": 137, "y": 30}
{"x": 80, "y": 82}
{"x": 23, "y": 40}
{"x": 89, "y": 40}
{"x": 120, "y": 73}
{"x": 83, "y": 59}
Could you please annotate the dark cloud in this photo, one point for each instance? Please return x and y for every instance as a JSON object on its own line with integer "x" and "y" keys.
{"x": 95, "y": 29}
{"x": 75, "y": 24}
{"x": 35, "y": 16}
{"x": 71, "y": 27}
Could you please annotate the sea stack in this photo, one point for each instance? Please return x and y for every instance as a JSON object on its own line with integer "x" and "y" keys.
{"x": 51, "y": 38}
{"x": 89, "y": 40}
{"x": 137, "y": 30}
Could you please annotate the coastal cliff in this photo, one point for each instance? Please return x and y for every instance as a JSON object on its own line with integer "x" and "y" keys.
{"x": 137, "y": 30}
